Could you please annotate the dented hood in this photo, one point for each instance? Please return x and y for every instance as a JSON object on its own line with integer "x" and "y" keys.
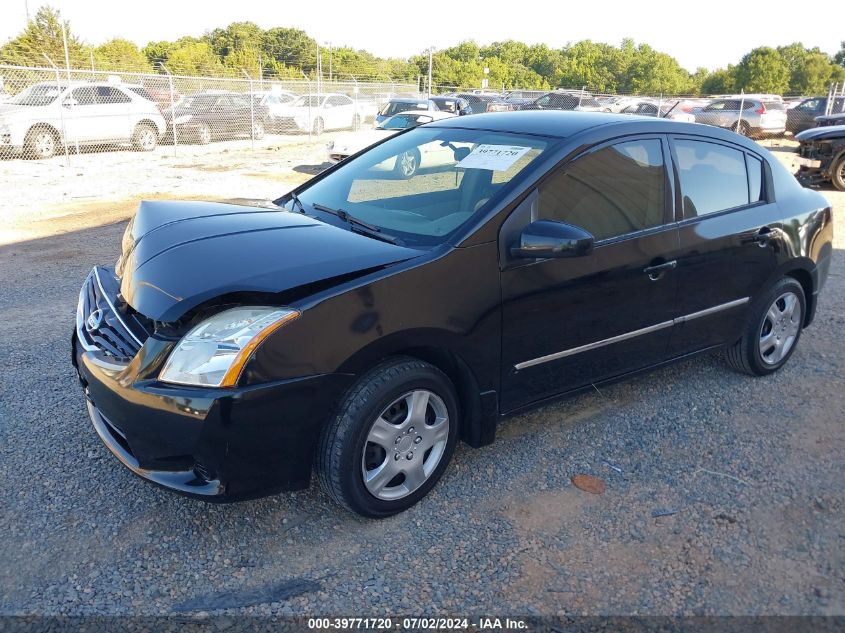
{"x": 178, "y": 255}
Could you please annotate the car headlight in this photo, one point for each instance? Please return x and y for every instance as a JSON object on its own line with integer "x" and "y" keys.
{"x": 214, "y": 352}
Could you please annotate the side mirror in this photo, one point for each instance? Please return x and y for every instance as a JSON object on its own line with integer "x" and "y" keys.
{"x": 547, "y": 238}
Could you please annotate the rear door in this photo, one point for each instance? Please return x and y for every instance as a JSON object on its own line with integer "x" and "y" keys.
{"x": 570, "y": 322}
{"x": 114, "y": 107}
{"x": 730, "y": 231}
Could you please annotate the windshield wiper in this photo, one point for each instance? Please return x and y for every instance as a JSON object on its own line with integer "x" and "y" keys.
{"x": 359, "y": 225}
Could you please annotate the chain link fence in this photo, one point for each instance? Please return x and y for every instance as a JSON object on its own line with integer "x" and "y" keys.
{"x": 48, "y": 111}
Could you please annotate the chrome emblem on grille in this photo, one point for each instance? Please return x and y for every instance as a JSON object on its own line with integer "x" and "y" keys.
{"x": 94, "y": 320}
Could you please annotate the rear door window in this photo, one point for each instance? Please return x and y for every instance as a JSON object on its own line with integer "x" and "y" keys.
{"x": 109, "y": 96}
{"x": 713, "y": 177}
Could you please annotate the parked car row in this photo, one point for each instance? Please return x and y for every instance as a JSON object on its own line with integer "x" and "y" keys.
{"x": 38, "y": 121}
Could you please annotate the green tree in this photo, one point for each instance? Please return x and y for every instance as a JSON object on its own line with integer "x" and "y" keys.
{"x": 763, "y": 70}
{"x": 839, "y": 58}
{"x": 721, "y": 81}
{"x": 194, "y": 58}
{"x": 119, "y": 54}
{"x": 43, "y": 35}
{"x": 291, "y": 48}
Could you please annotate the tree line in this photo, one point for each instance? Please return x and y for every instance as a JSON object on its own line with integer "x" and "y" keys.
{"x": 283, "y": 52}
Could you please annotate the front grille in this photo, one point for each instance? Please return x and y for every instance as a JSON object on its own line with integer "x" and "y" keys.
{"x": 114, "y": 330}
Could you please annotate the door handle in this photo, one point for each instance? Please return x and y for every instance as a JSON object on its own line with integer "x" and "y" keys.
{"x": 657, "y": 271}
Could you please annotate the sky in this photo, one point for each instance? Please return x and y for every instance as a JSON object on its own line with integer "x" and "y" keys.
{"x": 709, "y": 34}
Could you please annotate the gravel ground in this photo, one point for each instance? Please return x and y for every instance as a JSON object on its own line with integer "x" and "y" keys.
{"x": 724, "y": 492}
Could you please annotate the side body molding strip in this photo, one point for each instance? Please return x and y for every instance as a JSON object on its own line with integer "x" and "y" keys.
{"x": 629, "y": 335}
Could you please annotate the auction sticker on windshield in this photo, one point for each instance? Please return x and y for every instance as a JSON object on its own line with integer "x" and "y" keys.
{"x": 494, "y": 157}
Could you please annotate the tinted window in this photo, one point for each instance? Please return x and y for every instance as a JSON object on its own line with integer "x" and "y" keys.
{"x": 755, "y": 177}
{"x": 713, "y": 177}
{"x": 84, "y": 96}
{"x": 107, "y": 94}
{"x": 609, "y": 192}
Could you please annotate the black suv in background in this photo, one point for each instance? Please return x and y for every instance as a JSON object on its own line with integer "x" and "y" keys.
{"x": 803, "y": 116}
{"x": 565, "y": 100}
{"x": 480, "y": 103}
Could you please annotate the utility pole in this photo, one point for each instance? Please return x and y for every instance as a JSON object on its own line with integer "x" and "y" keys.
{"x": 430, "y": 58}
{"x": 26, "y": 8}
{"x": 331, "y": 51}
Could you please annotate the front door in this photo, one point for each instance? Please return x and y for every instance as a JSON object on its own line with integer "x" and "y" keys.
{"x": 571, "y": 322}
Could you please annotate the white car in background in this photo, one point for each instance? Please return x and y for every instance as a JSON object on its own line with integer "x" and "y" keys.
{"x": 671, "y": 110}
{"x": 275, "y": 101}
{"x": 345, "y": 145}
{"x": 40, "y": 119}
{"x": 318, "y": 112}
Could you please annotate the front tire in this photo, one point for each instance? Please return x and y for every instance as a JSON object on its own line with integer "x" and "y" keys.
{"x": 41, "y": 143}
{"x": 391, "y": 438}
{"x": 204, "y": 134}
{"x": 772, "y": 331}
{"x": 407, "y": 164}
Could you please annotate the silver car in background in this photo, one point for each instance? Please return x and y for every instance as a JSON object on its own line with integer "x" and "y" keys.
{"x": 761, "y": 116}
{"x": 39, "y": 120}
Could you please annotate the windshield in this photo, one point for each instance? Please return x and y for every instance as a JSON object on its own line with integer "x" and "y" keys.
{"x": 198, "y": 102}
{"x": 423, "y": 185}
{"x": 403, "y": 121}
{"x": 37, "y": 95}
{"x": 395, "y": 107}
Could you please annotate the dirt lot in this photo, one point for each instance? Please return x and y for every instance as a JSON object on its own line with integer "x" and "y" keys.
{"x": 724, "y": 492}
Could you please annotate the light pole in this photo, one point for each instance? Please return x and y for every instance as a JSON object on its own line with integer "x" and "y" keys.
{"x": 430, "y": 60}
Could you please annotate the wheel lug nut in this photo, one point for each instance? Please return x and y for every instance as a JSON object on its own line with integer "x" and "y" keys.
{"x": 411, "y": 430}
{"x": 417, "y": 439}
{"x": 396, "y": 457}
{"x": 398, "y": 439}
{"x": 409, "y": 456}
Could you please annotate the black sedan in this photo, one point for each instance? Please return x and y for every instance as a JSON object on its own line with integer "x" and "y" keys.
{"x": 370, "y": 322}
{"x": 206, "y": 117}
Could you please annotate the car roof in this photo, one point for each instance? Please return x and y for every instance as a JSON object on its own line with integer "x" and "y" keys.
{"x": 407, "y": 99}
{"x": 564, "y": 124}
{"x": 434, "y": 114}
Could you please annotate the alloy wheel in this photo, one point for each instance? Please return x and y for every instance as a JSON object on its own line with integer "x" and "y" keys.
{"x": 146, "y": 139}
{"x": 405, "y": 444}
{"x": 780, "y": 328}
{"x": 45, "y": 144}
{"x": 408, "y": 164}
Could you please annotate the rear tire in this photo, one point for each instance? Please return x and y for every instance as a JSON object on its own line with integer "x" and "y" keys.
{"x": 837, "y": 174}
{"x": 772, "y": 330}
{"x": 145, "y": 137}
{"x": 741, "y": 127}
{"x": 391, "y": 438}
{"x": 40, "y": 143}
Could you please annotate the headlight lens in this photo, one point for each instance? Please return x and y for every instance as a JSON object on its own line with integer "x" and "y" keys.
{"x": 214, "y": 352}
